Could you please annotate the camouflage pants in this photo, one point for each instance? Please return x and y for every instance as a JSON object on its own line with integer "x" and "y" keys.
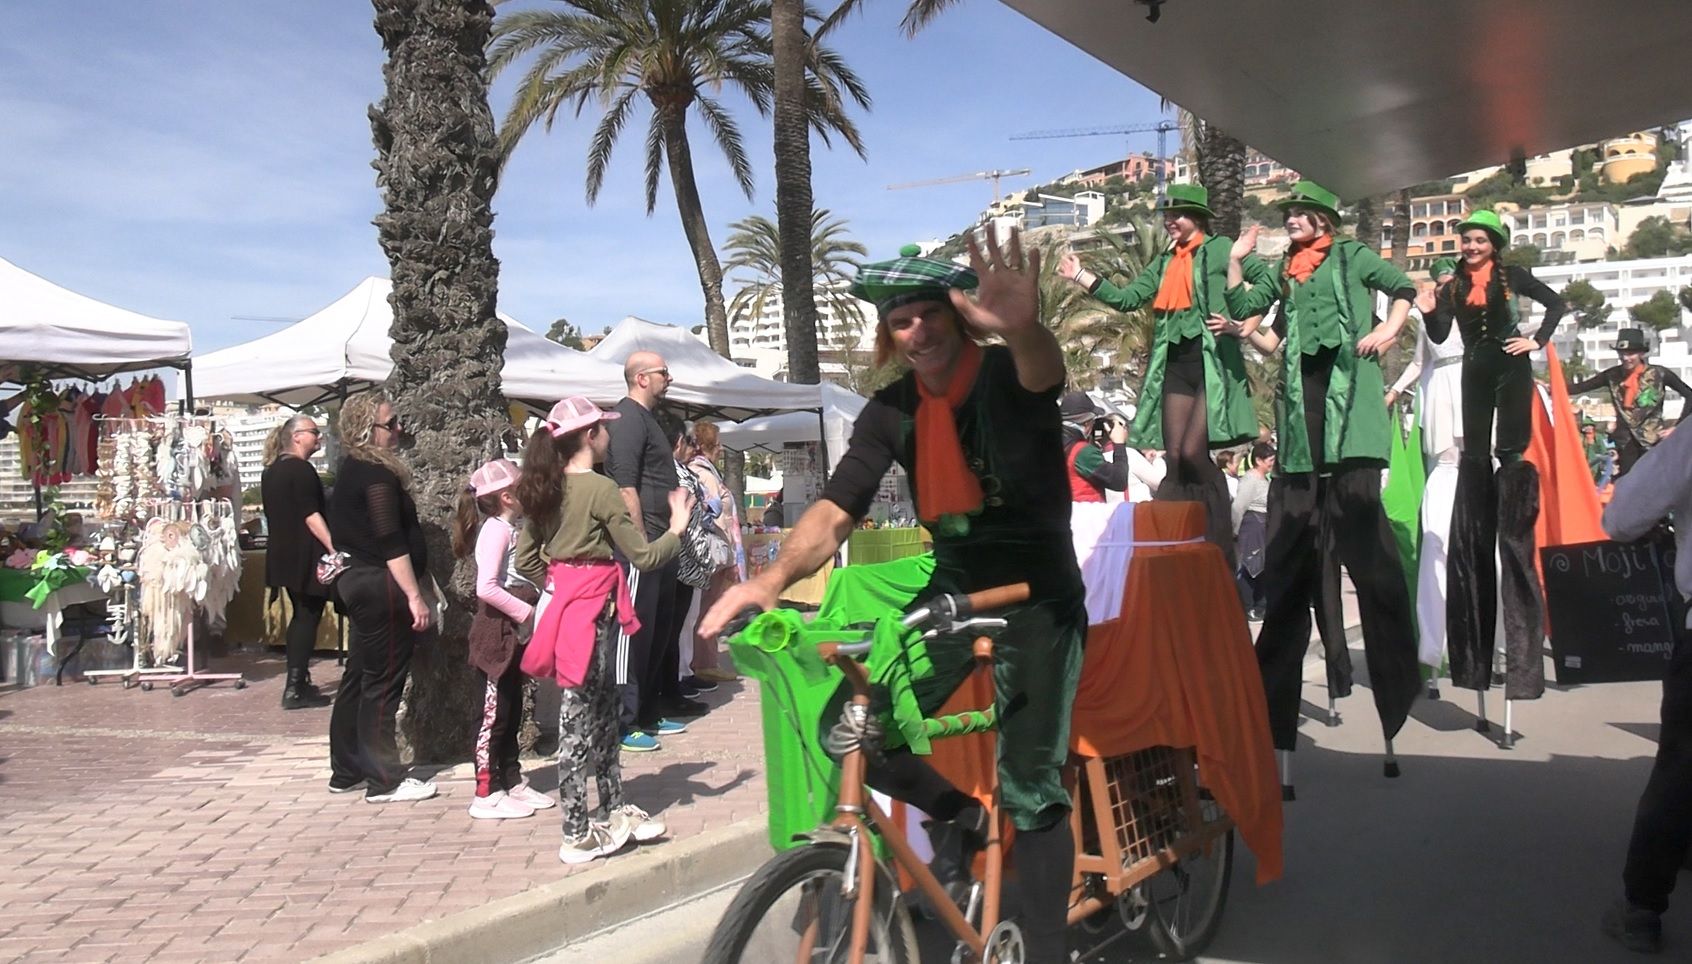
{"x": 590, "y": 734}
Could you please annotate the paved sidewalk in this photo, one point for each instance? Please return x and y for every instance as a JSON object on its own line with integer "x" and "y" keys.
{"x": 139, "y": 826}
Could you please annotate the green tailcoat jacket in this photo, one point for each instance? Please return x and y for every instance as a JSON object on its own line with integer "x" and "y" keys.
{"x": 1335, "y": 308}
{"x": 1226, "y": 392}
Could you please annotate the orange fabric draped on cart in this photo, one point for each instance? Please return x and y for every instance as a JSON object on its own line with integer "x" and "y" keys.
{"x": 1177, "y": 669}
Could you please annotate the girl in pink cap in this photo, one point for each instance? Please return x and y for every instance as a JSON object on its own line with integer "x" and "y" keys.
{"x": 574, "y": 519}
{"x": 486, "y": 524}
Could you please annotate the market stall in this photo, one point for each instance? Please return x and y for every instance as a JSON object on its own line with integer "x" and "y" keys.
{"x": 161, "y": 549}
{"x": 346, "y": 348}
{"x": 705, "y": 385}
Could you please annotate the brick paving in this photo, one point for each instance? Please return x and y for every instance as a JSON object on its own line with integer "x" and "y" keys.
{"x": 139, "y": 826}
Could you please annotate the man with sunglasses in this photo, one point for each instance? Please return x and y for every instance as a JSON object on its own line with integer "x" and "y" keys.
{"x": 641, "y": 462}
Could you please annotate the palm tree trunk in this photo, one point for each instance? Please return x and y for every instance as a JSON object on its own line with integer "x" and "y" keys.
{"x": 1368, "y": 222}
{"x": 793, "y": 191}
{"x": 1401, "y": 229}
{"x": 673, "y": 118}
{"x": 1222, "y": 171}
{"x": 435, "y": 162}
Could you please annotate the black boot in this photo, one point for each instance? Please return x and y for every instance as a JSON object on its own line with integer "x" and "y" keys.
{"x": 299, "y": 694}
{"x": 955, "y": 843}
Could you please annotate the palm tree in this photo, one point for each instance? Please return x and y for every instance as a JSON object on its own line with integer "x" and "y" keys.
{"x": 436, "y": 164}
{"x": 795, "y": 93}
{"x": 755, "y": 247}
{"x": 677, "y": 54}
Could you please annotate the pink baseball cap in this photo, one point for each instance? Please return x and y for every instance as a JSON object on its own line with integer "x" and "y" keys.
{"x": 493, "y": 477}
{"x": 575, "y": 412}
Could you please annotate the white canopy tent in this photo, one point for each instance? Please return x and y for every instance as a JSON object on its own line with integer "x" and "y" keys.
{"x": 67, "y": 335}
{"x": 344, "y": 348}
{"x": 1372, "y": 97}
{"x": 840, "y": 411}
{"x": 706, "y": 383}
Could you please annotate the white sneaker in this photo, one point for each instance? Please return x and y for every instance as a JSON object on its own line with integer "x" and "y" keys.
{"x": 410, "y": 790}
{"x": 536, "y": 800}
{"x": 599, "y": 841}
{"x": 500, "y": 806}
{"x": 641, "y": 826}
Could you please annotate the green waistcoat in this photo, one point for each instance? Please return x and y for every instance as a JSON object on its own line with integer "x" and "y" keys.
{"x": 1227, "y": 395}
{"x": 1334, "y": 307}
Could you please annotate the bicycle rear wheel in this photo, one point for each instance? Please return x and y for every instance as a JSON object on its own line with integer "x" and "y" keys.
{"x": 791, "y": 910}
{"x": 1187, "y": 899}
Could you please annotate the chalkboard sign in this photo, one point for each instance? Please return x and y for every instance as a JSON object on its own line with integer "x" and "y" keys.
{"x": 1611, "y": 617}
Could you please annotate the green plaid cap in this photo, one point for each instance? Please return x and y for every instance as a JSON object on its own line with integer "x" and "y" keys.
{"x": 908, "y": 278}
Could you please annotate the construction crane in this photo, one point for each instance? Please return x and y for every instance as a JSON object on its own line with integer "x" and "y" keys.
{"x": 1162, "y": 128}
{"x": 993, "y": 176}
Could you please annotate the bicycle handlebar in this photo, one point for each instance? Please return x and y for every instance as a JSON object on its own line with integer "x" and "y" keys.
{"x": 996, "y": 598}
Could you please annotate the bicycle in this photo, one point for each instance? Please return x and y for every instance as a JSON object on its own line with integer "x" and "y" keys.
{"x": 1154, "y": 852}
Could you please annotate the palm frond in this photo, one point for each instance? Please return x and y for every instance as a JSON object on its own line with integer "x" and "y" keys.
{"x": 654, "y": 161}
{"x": 605, "y": 141}
{"x": 921, "y": 13}
{"x": 727, "y": 134}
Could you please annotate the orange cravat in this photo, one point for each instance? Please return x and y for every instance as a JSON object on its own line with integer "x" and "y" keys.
{"x": 1630, "y": 387}
{"x": 1479, "y": 280}
{"x": 945, "y": 485}
{"x": 1306, "y": 258}
{"x": 1175, "y": 292}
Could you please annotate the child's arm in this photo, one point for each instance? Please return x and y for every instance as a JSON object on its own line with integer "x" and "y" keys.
{"x": 491, "y": 543}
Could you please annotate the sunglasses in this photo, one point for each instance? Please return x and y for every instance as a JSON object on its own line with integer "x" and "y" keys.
{"x": 391, "y": 424}
{"x": 313, "y": 431}
{"x": 656, "y": 371}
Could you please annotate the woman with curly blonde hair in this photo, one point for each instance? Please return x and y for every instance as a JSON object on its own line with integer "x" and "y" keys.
{"x": 375, "y": 523}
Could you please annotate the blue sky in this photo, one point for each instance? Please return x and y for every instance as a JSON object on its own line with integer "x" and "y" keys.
{"x": 205, "y": 161}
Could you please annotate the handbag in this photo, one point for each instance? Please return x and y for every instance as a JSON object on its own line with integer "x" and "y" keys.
{"x": 331, "y": 565}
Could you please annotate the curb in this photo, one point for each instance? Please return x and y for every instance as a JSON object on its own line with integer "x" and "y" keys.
{"x": 539, "y": 921}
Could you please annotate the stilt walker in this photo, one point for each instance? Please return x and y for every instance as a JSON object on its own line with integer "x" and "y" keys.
{"x": 1195, "y": 395}
{"x": 1494, "y": 508}
{"x": 1325, "y": 501}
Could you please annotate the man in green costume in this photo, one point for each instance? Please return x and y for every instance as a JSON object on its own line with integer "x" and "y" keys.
{"x": 979, "y": 432}
{"x": 1335, "y": 437}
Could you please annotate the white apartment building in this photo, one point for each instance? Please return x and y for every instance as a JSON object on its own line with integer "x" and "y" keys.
{"x": 17, "y": 493}
{"x": 1568, "y": 232}
{"x": 251, "y": 427}
{"x": 1623, "y": 284}
{"x": 760, "y": 342}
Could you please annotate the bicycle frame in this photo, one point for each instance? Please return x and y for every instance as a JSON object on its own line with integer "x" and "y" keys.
{"x": 850, "y": 820}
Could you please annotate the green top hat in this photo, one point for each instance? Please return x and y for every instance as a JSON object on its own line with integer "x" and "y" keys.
{"x": 1631, "y": 339}
{"x": 1443, "y": 266}
{"x": 1186, "y": 197}
{"x": 1309, "y": 194}
{"x": 1491, "y": 223}
{"x": 908, "y": 278}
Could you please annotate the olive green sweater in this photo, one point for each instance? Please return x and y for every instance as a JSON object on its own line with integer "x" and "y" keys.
{"x": 592, "y": 521}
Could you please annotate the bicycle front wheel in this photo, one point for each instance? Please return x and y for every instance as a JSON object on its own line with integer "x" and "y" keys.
{"x": 792, "y": 910}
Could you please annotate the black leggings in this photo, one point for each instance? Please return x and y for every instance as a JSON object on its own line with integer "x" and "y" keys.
{"x": 1495, "y": 381}
{"x": 302, "y": 629}
{"x": 1193, "y": 475}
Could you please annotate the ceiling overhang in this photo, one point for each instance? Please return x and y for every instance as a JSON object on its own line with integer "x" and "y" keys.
{"x": 1371, "y": 97}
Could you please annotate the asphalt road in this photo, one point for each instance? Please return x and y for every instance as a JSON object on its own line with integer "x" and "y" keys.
{"x": 1475, "y": 854}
